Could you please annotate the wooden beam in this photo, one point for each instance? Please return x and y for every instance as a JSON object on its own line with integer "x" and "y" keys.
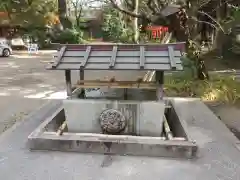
{"x": 116, "y": 84}
{"x": 81, "y": 73}
{"x": 167, "y": 129}
{"x": 86, "y": 56}
{"x": 159, "y": 80}
{"x": 62, "y": 128}
{"x": 142, "y": 56}
{"x": 113, "y": 57}
{"x": 171, "y": 57}
{"x": 59, "y": 57}
{"x": 68, "y": 82}
{"x": 111, "y": 81}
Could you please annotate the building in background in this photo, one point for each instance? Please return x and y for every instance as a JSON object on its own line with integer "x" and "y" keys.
{"x": 92, "y": 23}
{"x": 90, "y": 17}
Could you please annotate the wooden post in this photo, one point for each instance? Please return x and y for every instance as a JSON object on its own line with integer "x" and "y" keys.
{"x": 81, "y": 74}
{"x": 159, "y": 81}
{"x": 68, "y": 82}
{"x": 125, "y": 91}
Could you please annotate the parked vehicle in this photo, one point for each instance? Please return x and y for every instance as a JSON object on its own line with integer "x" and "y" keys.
{"x": 17, "y": 43}
{"x": 4, "y": 41}
{"x": 5, "y": 49}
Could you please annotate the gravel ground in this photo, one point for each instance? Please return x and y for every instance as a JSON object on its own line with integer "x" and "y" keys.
{"x": 23, "y": 85}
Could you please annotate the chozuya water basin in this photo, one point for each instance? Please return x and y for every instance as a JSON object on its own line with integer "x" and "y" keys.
{"x": 142, "y": 118}
{"x": 138, "y": 138}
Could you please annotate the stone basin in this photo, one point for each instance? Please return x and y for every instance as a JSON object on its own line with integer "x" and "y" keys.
{"x": 143, "y": 118}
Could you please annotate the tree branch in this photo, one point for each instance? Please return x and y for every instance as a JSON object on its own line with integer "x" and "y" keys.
{"x": 79, "y": 13}
{"x": 130, "y": 5}
{"x": 29, "y": 2}
{"x": 5, "y": 6}
{"x": 226, "y": 2}
{"x": 116, "y": 6}
{"x": 149, "y": 4}
{"x": 205, "y": 3}
{"x": 195, "y": 19}
{"x": 201, "y": 12}
{"x": 159, "y": 4}
{"x": 233, "y": 6}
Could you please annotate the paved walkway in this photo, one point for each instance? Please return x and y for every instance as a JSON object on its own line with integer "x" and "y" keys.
{"x": 40, "y": 52}
{"x": 218, "y": 155}
{"x": 23, "y": 84}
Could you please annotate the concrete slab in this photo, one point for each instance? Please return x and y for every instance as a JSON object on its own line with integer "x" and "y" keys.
{"x": 143, "y": 118}
{"x": 44, "y": 137}
{"x": 150, "y": 118}
{"x": 218, "y": 156}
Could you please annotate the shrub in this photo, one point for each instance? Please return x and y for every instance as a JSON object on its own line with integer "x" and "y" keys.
{"x": 223, "y": 89}
{"x": 69, "y": 36}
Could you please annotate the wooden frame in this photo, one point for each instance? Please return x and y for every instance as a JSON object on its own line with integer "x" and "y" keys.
{"x": 115, "y": 84}
{"x": 157, "y": 57}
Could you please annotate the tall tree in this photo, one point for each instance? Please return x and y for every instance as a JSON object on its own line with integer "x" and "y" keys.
{"x": 78, "y": 8}
{"x": 115, "y": 27}
{"x": 29, "y": 12}
{"x": 186, "y": 22}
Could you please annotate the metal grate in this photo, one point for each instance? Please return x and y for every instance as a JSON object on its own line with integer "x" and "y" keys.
{"x": 120, "y": 57}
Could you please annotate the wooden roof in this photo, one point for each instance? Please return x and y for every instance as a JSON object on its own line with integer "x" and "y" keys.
{"x": 162, "y": 57}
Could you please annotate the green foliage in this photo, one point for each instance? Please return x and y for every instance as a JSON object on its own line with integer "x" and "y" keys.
{"x": 114, "y": 27}
{"x": 236, "y": 14}
{"x": 194, "y": 53}
{"x": 25, "y": 13}
{"x": 69, "y": 36}
{"x": 223, "y": 89}
{"x": 66, "y": 22}
{"x": 189, "y": 68}
{"x": 41, "y": 37}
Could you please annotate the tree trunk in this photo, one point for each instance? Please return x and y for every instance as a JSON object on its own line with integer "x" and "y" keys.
{"x": 217, "y": 31}
{"x": 62, "y": 11}
{"x": 78, "y": 22}
{"x": 135, "y": 23}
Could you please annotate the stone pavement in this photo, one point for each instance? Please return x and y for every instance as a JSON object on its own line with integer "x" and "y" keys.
{"x": 218, "y": 156}
{"x": 23, "y": 84}
{"x": 40, "y": 52}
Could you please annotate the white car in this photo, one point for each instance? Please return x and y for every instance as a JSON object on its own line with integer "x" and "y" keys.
{"x": 17, "y": 43}
{"x": 5, "y": 49}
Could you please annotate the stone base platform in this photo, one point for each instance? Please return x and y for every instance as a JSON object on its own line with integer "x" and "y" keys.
{"x": 45, "y": 137}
